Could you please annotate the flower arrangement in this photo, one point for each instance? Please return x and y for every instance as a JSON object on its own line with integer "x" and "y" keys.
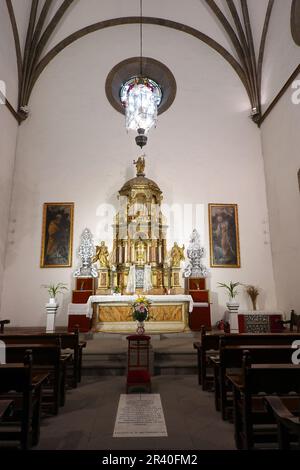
{"x": 253, "y": 293}
{"x": 140, "y": 309}
{"x": 231, "y": 288}
{"x": 54, "y": 289}
{"x": 117, "y": 290}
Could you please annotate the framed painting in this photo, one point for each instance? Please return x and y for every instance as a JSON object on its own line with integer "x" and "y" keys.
{"x": 57, "y": 235}
{"x": 224, "y": 236}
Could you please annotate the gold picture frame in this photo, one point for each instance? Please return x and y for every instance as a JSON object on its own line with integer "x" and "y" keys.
{"x": 57, "y": 235}
{"x": 224, "y": 239}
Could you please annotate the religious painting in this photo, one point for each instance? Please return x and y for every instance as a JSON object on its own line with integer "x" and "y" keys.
{"x": 224, "y": 236}
{"x": 57, "y": 235}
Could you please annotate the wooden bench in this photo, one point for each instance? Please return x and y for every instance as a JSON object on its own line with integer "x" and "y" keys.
{"x": 46, "y": 358}
{"x": 288, "y": 425}
{"x": 72, "y": 341}
{"x": 22, "y": 385}
{"x": 294, "y": 322}
{"x": 210, "y": 343}
{"x": 252, "y": 423}
{"x": 2, "y": 324}
{"x": 207, "y": 344}
{"x": 231, "y": 357}
{"x": 66, "y": 340}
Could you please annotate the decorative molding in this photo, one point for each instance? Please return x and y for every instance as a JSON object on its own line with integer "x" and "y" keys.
{"x": 152, "y": 68}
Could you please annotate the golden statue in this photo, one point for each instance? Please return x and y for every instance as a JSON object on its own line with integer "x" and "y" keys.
{"x": 140, "y": 166}
{"x": 102, "y": 255}
{"x": 177, "y": 255}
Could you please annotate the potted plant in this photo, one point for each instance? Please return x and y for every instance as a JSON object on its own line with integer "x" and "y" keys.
{"x": 232, "y": 291}
{"x": 140, "y": 312}
{"x": 253, "y": 293}
{"x": 54, "y": 289}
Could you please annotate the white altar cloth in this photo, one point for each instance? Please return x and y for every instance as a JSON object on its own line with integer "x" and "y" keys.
{"x": 130, "y": 298}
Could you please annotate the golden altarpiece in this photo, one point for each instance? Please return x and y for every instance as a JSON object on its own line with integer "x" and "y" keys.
{"x": 140, "y": 264}
{"x": 139, "y": 243}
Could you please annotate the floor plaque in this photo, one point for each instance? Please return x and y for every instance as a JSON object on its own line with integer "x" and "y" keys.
{"x": 140, "y": 415}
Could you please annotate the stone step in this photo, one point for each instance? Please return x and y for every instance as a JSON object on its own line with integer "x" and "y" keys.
{"x": 116, "y": 364}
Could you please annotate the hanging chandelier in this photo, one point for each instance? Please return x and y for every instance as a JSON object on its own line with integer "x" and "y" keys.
{"x": 140, "y": 97}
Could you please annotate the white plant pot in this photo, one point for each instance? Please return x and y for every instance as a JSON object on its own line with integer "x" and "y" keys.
{"x": 52, "y": 300}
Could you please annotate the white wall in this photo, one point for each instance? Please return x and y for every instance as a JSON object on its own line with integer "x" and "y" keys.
{"x": 74, "y": 147}
{"x": 9, "y": 127}
{"x": 280, "y": 143}
{"x": 282, "y": 55}
{"x": 280, "y": 138}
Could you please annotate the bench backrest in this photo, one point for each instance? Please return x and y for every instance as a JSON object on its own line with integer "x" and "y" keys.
{"x": 17, "y": 376}
{"x": 66, "y": 340}
{"x": 270, "y": 378}
{"x": 42, "y": 354}
{"x": 231, "y": 357}
{"x": 259, "y": 338}
{"x": 209, "y": 342}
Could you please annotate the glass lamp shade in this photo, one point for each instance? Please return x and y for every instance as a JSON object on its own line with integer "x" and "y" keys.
{"x": 140, "y": 98}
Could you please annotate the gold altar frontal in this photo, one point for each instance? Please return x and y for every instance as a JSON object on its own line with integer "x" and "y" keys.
{"x": 164, "y": 318}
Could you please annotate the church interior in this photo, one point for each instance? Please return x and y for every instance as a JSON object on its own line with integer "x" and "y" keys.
{"x": 149, "y": 252}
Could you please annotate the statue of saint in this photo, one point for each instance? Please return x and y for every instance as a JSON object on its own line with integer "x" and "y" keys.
{"x": 177, "y": 255}
{"x": 102, "y": 255}
{"x": 140, "y": 166}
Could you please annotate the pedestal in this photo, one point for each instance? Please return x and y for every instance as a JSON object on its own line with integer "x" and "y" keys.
{"x": 51, "y": 313}
{"x": 196, "y": 287}
{"x": 233, "y": 320}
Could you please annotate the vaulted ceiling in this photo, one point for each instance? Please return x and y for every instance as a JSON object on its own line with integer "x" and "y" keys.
{"x": 244, "y": 24}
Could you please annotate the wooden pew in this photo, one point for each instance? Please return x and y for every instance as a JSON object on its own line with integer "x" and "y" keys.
{"x": 288, "y": 425}
{"x": 294, "y": 322}
{"x": 18, "y": 382}
{"x": 207, "y": 344}
{"x": 46, "y": 358}
{"x": 72, "y": 341}
{"x": 67, "y": 341}
{"x": 2, "y": 324}
{"x": 231, "y": 357}
{"x": 250, "y": 387}
{"x": 210, "y": 344}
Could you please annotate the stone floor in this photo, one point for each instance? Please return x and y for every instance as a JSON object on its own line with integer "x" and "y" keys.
{"x": 117, "y": 343}
{"x": 87, "y": 420}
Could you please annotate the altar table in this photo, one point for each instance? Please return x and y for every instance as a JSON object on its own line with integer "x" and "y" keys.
{"x": 113, "y": 313}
